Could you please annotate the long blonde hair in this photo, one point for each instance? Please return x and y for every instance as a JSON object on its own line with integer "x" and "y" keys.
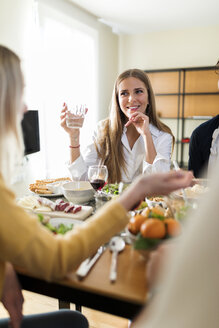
{"x": 11, "y": 89}
{"x": 109, "y": 145}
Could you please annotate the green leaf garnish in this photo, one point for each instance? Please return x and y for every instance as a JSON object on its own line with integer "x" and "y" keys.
{"x": 156, "y": 216}
{"x": 145, "y": 243}
{"x": 61, "y": 229}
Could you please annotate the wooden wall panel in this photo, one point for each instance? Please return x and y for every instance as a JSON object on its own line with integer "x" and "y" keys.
{"x": 197, "y": 81}
{"x": 164, "y": 82}
{"x": 205, "y": 105}
{"x": 201, "y": 81}
{"x": 167, "y": 106}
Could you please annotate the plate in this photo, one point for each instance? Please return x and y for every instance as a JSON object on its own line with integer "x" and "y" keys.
{"x": 55, "y": 222}
{"x": 47, "y": 195}
{"x": 192, "y": 193}
{"x": 152, "y": 203}
{"x": 179, "y": 196}
{"x": 83, "y": 214}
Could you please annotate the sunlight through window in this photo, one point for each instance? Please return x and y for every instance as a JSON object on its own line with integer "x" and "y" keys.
{"x": 65, "y": 70}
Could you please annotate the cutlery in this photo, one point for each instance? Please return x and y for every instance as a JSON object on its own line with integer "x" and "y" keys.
{"x": 86, "y": 265}
{"x": 116, "y": 245}
{"x": 120, "y": 187}
{"x": 177, "y": 168}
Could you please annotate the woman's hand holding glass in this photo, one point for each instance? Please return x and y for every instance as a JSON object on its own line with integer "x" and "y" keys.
{"x": 72, "y": 117}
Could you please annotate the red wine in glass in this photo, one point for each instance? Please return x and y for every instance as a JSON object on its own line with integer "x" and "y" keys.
{"x": 97, "y": 175}
{"x": 97, "y": 183}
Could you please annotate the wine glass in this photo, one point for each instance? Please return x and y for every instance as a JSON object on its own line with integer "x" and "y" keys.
{"x": 97, "y": 175}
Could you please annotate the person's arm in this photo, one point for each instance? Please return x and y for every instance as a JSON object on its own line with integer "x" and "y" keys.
{"x": 150, "y": 151}
{"x": 48, "y": 256}
{"x": 162, "y": 160}
{"x": 12, "y": 297}
{"x": 153, "y": 185}
{"x": 74, "y": 135}
{"x": 79, "y": 168}
{"x": 74, "y": 145}
{"x": 141, "y": 123}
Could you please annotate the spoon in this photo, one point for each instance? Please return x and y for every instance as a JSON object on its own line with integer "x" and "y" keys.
{"x": 116, "y": 245}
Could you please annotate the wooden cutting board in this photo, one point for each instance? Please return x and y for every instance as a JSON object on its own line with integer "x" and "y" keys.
{"x": 81, "y": 215}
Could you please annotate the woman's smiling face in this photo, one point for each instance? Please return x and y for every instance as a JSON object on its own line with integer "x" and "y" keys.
{"x": 133, "y": 96}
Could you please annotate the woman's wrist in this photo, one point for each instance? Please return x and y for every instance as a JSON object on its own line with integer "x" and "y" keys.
{"x": 74, "y": 140}
{"x": 147, "y": 132}
{"x": 134, "y": 194}
{"x": 74, "y": 147}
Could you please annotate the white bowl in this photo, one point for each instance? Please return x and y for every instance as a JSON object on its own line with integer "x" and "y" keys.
{"x": 78, "y": 192}
{"x": 153, "y": 203}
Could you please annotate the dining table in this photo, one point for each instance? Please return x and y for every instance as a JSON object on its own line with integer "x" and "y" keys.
{"x": 125, "y": 297}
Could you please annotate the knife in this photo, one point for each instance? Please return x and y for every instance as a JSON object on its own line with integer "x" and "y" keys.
{"x": 86, "y": 265}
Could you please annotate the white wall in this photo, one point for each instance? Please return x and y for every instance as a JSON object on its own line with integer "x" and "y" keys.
{"x": 108, "y": 68}
{"x": 14, "y": 24}
{"x": 170, "y": 49}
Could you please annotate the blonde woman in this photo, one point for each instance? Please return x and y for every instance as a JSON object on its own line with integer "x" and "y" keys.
{"x": 132, "y": 140}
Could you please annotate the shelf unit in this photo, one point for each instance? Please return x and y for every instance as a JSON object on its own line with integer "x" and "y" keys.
{"x": 185, "y": 97}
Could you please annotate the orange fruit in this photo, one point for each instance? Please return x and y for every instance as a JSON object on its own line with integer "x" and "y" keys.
{"x": 135, "y": 223}
{"x": 173, "y": 227}
{"x": 153, "y": 228}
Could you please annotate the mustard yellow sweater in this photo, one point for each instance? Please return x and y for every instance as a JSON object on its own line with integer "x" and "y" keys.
{"x": 25, "y": 242}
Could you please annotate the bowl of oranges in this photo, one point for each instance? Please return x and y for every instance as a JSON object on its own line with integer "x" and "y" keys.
{"x": 151, "y": 227}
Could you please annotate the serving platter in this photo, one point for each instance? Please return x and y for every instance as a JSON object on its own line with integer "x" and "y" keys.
{"x": 47, "y": 195}
{"x": 55, "y": 208}
{"x": 81, "y": 215}
{"x": 55, "y": 222}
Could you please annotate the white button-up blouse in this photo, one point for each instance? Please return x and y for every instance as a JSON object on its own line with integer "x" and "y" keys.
{"x": 135, "y": 157}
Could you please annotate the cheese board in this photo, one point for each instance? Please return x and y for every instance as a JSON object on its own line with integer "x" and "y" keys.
{"x": 82, "y": 215}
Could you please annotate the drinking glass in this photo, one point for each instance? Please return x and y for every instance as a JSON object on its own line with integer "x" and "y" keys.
{"x": 97, "y": 175}
{"x": 75, "y": 116}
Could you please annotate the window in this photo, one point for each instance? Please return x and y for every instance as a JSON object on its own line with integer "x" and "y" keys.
{"x": 62, "y": 62}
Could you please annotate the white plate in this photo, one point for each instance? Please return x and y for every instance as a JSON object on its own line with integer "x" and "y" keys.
{"x": 55, "y": 222}
{"x": 81, "y": 215}
{"x": 47, "y": 195}
{"x": 153, "y": 203}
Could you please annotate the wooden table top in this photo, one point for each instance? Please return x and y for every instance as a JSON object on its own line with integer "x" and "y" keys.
{"x": 131, "y": 282}
{"x": 124, "y": 297}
